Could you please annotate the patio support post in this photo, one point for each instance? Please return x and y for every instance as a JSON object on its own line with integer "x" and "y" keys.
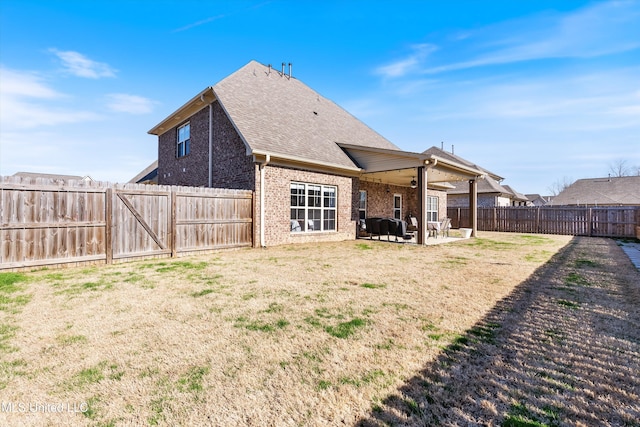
{"x": 473, "y": 206}
{"x": 422, "y": 205}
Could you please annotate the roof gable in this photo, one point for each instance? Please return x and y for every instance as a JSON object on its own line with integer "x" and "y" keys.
{"x": 278, "y": 115}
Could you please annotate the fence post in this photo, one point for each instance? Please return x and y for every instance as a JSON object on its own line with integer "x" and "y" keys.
{"x": 173, "y": 238}
{"x": 108, "y": 218}
{"x": 590, "y": 221}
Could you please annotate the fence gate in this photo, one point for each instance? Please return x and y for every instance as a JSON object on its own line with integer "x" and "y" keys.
{"x": 140, "y": 223}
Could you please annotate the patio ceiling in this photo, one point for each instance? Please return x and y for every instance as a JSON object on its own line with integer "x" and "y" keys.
{"x": 395, "y": 167}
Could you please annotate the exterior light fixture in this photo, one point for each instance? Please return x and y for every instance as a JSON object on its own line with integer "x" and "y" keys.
{"x": 414, "y": 183}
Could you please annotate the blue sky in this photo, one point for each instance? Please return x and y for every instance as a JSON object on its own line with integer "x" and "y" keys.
{"x": 535, "y": 91}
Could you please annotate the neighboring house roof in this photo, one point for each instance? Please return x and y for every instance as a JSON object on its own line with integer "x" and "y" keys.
{"x": 276, "y": 114}
{"x": 55, "y": 177}
{"x": 601, "y": 191}
{"x": 516, "y": 196}
{"x": 452, "y": 157}
{"x": 147, "y": 175}
{"x": 537, "y": 199}
{"x": 485, "y": 186}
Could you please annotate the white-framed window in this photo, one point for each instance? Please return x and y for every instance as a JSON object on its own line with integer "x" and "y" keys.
{"x": 183, "y": 144}
{"x": 362, "y": 206}
{"x": 397, "y": 206}
{"x": 432, "y": 208}
{"x": 313, "y": 207}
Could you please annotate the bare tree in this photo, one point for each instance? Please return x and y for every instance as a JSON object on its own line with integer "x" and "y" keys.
{"x": 619, "y": 168}
{"x": 559, "y": 185}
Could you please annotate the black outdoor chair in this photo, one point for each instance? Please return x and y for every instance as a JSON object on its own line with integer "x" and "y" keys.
{"x": 373, "y": 226}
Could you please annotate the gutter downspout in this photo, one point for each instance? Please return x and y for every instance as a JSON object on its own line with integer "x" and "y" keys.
{"x": 262, "y": 167}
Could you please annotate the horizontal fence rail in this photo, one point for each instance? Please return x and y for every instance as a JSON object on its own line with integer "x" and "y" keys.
{"x": 44, "y": 222}
{"x": 601, "y": 221}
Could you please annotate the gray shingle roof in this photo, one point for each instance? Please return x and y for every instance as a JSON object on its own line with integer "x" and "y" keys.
{"x": 601, "y": 191}
{"x": 277, "y": 114}
{"x": 485, "y": 186}
{"x": 516, "y": 195}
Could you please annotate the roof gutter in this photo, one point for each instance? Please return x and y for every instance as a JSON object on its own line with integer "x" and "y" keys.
{"x": 191, "y": 107}
{"x": 304, "y": 161}
{"x": 448, "y": 164}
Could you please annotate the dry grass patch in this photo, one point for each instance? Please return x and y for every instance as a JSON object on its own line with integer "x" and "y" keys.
{"x": 562, "y": 349}
{"x": 317, "y": 334}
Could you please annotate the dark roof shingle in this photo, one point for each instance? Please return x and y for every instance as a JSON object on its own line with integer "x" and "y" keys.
{"x": 278, "y": 114}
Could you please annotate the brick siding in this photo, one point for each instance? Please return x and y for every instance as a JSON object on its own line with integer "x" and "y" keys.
{"x": 231, "y": 167}
{"x": 278, "y": 206}
{"x": 380, "y": 202}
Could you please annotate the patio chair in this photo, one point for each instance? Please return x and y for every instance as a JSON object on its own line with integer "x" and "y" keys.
{"x": 402, "y": 231}
{"x": 432, "y": 229}
{"x": 393, "y": 229}
{"x": 373, "y": 226}
{"x": 445, "y": 227}
{"x": 384, "y": 227}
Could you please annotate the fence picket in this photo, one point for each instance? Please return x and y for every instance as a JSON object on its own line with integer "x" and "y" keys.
{"x": 601, "y": 221}
{"x": 47, "y": 222}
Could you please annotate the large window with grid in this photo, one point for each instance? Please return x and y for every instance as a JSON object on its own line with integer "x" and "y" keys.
{"x": 183, "y": 145}
{"x": 432, "y": 208}
{"x": 313, "y": 207}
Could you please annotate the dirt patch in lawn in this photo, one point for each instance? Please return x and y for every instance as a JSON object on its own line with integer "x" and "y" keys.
{"x": 326, "y": 334}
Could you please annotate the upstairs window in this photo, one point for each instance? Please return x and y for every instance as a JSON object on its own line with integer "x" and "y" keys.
{"x": 183, "y": 146}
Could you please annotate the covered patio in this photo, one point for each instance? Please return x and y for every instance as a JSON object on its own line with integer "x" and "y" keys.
{"x": 419, "y": 171}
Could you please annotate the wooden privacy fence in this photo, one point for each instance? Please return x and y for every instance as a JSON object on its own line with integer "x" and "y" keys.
{"x": 43, "y": 222}
{"x": 604, "y": 221}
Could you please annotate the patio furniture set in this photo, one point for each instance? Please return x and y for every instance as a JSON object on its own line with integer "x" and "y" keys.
{"x": 399, "y": 229}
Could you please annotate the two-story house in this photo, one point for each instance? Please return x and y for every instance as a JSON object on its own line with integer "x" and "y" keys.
{"x": 314, "y": 168}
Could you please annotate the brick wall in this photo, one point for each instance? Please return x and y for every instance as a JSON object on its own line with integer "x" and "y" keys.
{"x": 231, "y": 167}
{"x": 380, "y": 202}
{"x": 278, "y": 203}
{"x": 191, "y": 169}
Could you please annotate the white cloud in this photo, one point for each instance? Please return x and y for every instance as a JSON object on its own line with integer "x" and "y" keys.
{"x": 401, "y": 67}
{"x": 26, "y": 101}
{"x": 596, "y": 100}
{"x": 599, "y": 29}
{"x": 79, "y": 65}
{"x": 24, "y": 83}
{"x": 133, "y": 104}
